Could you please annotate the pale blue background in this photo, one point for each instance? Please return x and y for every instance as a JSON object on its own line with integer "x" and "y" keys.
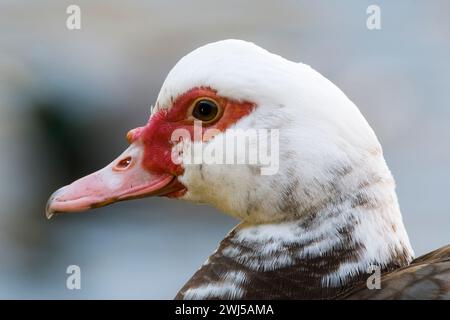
{"x": 100, "y": 81}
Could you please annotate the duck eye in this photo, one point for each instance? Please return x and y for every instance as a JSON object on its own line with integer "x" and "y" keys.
{"x": 205, "y": 110}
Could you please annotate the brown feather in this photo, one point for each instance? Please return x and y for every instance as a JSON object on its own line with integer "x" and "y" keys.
{"x": 427, "y": 277}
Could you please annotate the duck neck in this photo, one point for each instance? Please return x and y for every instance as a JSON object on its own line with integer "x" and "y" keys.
{"x": 319, "y": 254}
{"x": 343, "y": 243}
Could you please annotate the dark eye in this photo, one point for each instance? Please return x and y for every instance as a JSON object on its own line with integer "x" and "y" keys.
{"x": 205, "y": 110}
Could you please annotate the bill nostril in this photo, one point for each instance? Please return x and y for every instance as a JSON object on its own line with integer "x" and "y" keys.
{"x": 123, "y": 164}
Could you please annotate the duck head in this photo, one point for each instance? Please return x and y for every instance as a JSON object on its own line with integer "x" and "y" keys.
{"x": 324, "y": 148}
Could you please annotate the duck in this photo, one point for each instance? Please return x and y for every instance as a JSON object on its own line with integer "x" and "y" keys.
{"x": 313, "y": 228}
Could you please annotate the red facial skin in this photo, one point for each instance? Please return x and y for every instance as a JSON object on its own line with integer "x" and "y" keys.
{"x": 146, "y": 167}
{"x": 156, "y": 135}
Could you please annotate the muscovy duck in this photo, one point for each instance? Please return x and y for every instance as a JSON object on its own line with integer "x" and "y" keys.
{"x": 314, "y": 228}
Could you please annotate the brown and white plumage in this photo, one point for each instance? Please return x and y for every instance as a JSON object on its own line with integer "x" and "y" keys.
{"x": 427, "y": 277}
{"x": 310, "y": 229}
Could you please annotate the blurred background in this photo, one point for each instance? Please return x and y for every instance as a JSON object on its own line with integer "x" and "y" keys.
{"x": 67, "y": 98}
